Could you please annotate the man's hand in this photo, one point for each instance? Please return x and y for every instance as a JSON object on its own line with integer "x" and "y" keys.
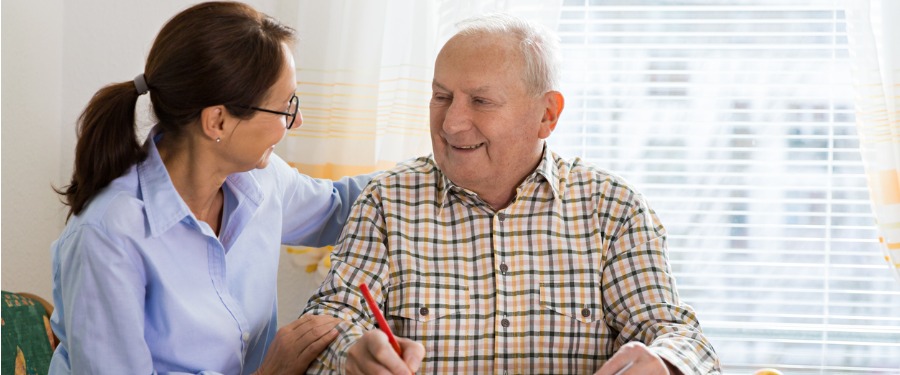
{"x": 642, "y": 360}
{"x": 297, "y": 344}
{"x": 373, "y": 354}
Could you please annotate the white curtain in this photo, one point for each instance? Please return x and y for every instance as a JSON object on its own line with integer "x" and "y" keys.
{"x": 874, "y": 38}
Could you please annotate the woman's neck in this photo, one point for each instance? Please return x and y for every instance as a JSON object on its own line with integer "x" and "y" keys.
{"x": 196, "y": 176}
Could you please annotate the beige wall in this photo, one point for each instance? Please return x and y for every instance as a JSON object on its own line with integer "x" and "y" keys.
{"x": 31, "y": 140}
{"x": 55, "y": 55}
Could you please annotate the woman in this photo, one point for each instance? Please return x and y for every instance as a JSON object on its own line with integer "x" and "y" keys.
{"x": 168, "y": 263}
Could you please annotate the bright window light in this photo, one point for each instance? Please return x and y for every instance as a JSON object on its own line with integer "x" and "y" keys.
{"x": 736, "y": 120}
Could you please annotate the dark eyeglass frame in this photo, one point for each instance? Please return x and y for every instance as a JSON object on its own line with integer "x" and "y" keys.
{"x": 291, "y": 117}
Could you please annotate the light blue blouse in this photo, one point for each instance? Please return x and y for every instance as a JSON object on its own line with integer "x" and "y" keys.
{"x": 141, "y": 286}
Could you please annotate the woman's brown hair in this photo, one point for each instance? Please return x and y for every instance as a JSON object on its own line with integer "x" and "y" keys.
{"x": 215, "y": 53}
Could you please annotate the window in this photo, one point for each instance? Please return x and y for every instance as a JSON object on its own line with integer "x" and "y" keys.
{"x": 735, "y": 119}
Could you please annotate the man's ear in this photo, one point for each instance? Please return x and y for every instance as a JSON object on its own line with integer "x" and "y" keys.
{"x": 553, "y": 105}
{"x": 212, "y": 120}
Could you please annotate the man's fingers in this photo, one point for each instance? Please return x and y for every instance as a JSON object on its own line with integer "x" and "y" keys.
{"x": 413, "y": 352}
{"x": 633, "y": 358}
{"x": 383, "y": 353}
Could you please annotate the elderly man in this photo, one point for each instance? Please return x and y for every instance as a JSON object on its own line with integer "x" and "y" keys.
{"x": 495, "y": 255}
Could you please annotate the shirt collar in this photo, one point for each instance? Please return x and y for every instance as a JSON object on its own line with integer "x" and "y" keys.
{"x": 163, "y": 205}
{"x": 551, "y": 169}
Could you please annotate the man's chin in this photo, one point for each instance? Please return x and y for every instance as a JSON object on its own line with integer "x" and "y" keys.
{"x": 465, "y": 178}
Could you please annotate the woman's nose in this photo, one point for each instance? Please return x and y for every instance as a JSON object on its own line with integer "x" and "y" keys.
{"x": 298, "y": 121}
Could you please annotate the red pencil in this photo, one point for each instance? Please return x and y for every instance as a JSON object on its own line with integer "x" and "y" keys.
{"x": 380, "y": 318}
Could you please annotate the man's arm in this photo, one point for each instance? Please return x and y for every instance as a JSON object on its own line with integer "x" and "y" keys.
{"x": 361, "y": 256}
{"x": 640, "y": 297}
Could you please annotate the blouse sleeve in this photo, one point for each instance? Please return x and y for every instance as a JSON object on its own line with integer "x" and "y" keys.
{"x": 102, "y": 305}
{"x": 315, "y": 210}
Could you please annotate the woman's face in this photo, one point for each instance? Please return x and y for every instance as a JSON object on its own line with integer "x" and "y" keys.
{"x": 253, "y": 140}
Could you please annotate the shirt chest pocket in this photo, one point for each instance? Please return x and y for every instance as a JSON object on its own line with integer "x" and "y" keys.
{"x": 578, "y": 299}
{"x": 425, "y": 301}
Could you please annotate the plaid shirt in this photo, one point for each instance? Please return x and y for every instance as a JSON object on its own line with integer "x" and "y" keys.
{"x": 556, "y": 282}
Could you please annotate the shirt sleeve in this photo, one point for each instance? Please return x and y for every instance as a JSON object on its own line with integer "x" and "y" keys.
{"x": 642, "y": 304}
{"x": 360, "y": 257}
{"x": 103, "y": 305}
{"x": 315, "y": 210}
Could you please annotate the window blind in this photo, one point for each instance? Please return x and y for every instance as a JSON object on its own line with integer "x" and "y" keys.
{"x": 736, "y": 121}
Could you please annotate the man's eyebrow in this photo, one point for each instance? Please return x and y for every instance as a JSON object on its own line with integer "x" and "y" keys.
{"x": 480, "y": 90}
{"x": 477, "y": 90}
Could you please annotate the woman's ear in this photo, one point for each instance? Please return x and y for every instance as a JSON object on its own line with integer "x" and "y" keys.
{"x": 553, "y": 105}
{"x": 212, "y": 120}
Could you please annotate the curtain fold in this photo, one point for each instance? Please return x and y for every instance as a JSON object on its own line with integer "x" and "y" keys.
{"x": 364, "y": 71}
{"x": 874, "y": 39}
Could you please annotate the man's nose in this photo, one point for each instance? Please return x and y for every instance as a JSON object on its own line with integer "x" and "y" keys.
{"x": 458, "y": 118}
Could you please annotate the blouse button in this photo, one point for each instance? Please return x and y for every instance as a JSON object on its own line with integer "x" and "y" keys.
{"x": 504, "y": 323}
{"x": 504, "y": 268}
{"x": 585, "y": 312}
{"x": 501, "y": 216}
{"x": 423, "y": 311}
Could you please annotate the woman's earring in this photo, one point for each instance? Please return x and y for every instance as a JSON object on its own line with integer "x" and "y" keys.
{"x": 218, "y": 139}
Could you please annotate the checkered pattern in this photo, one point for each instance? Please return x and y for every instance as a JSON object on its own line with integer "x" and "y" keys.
{"x": 573, "y": 269}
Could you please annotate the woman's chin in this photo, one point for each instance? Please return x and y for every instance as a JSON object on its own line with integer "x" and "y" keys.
{"x": 264, "y": 160}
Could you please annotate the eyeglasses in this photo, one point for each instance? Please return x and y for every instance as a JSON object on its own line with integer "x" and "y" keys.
{"x": 290, "y": 115}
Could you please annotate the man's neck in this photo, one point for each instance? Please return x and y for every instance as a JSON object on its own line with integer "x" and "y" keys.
{"x": 499, "y": 201}
{"x": 500, "y": 190}
{"x": 501, "y": 194}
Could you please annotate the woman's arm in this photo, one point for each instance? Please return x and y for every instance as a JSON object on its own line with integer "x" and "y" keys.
{"x": 102, "y": 291}
{"x": 315, "y": 210}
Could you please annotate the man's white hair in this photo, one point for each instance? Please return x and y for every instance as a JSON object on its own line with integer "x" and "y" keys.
{"x": 539, "y": 46}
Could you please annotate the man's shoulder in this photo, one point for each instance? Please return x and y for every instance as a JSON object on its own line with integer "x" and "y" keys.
{"x": 576, "y": 168}
{"x": 417, "y": 168}
{"x": 578, "y": 172}
{"x": 412, "y": 180}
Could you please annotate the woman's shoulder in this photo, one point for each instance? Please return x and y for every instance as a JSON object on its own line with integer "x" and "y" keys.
{"x": 118, "y": 204}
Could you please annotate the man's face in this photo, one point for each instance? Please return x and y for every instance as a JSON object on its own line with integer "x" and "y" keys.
{"x": 485, "y": 125}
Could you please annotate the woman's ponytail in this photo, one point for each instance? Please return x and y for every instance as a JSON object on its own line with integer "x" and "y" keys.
{"x": 107, "y": 144}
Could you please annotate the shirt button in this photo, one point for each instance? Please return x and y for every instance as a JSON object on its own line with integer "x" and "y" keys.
{"x": 245, "y": 336}
{"x": 585, "y": 312}
{"x": 504, "y": 268}
{"x": 504, "y": 323}
{"x": 501, "y": 216}
{"x": 423, "y": 311}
